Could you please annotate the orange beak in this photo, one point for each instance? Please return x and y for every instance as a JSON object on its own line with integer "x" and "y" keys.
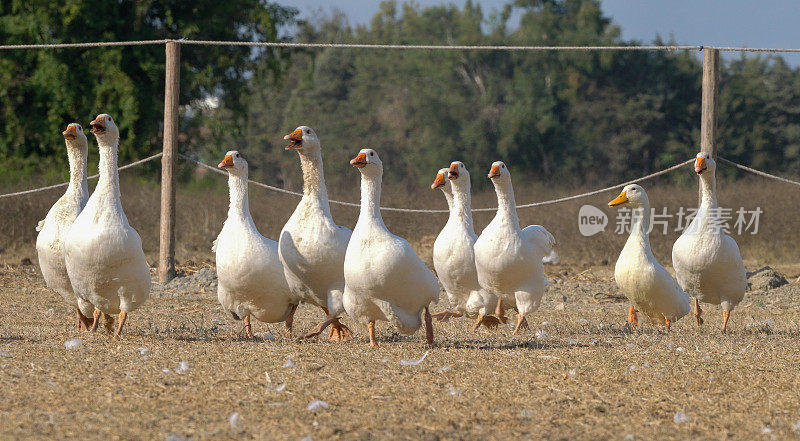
{"x": 494, "y": 172}
{"x": 295, "y": 139}
{"x": 700, "y": 165}
{"x": 227, "y": 162}
{"x": 619, "y": 200}
{"x": 71, "y": 133}
{"x": 453, "y": 172}
{"x": 359, "y": 161}
{"x": 438, "y": 182}
{"x": 98, "y": 124}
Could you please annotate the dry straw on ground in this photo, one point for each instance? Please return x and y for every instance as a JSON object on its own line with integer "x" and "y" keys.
{"x": 579, "y": 373}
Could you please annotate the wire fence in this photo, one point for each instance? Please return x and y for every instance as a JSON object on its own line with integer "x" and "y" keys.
{"x": 282, "y": 44}
{"x": 418, "y": 210}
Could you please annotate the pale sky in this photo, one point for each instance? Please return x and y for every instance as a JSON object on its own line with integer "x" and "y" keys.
{"x": 751, "y": 23}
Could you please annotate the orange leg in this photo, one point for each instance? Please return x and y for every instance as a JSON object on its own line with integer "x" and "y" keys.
{"x": 633, "y": 319}
{"x": 371, "y": 330}
{"x": 725, "y": 316}
{"x": 428, "y": 326}
{"x": 247, "y": 326}
{"x": 498, "y": 311}
{"x": 123, "y": 316}
{"x": 521, "y": 324}
{"x": 339, "y": 332}
{"x": 667, "y": 323}
{"x": 96, "y": 319}
{"x": 698, "y": 312}
{"x": 289, "y": 321}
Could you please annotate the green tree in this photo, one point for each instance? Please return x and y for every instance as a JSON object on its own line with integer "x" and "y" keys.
{"x": 43, "y": 90}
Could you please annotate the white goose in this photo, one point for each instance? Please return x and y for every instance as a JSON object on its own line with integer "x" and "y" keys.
{"x": 453, "y": 254}
{"x": 104, "y": 256}
{"x": 311, "y": 245}
{"x": 638, "y": 274}
{"x": 53, "y": 229}
{"x": 384, "y": 278}
{"x": 509, "y": 259}
{"x": 251, "y": 280}
{"x": 707, "y": 261}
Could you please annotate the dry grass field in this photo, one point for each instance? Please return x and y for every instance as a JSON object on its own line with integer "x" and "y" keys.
{"x": 578, "y": 373}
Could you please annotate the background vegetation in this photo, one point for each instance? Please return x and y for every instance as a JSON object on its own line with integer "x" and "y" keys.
{"x": 562, "y": 117}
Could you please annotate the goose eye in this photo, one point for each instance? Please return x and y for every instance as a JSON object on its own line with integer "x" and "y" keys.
{"x": 371, "y": 154}
{"x": 502, "y": 166}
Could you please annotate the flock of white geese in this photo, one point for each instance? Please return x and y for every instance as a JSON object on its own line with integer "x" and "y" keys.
{"x": 93, "y": 258}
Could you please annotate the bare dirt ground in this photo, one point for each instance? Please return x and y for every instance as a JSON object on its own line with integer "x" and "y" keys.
{"x": 578, "y": 373}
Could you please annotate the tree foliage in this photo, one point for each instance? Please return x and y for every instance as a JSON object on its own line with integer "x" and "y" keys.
{"x": 561, "y": 116}
{"x": 43, "y": 90}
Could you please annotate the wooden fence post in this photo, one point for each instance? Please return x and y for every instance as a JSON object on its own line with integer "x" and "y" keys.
{"x": 708, "y": 121}
{"x": 166, "y": 255}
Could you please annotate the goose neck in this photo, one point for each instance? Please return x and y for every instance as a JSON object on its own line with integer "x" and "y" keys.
{"x": 708, "y": 190}
{"x": 641, "y": 225}
{"x": 370, "y": 210}
{"x": 239, "y": 205}
{"x": 506, "y": 204}
{"x": 461, "y": 209}
{"x": 314, "y": 177}
{"x": 109, "y": 176}
{"x": 77, "y": 170}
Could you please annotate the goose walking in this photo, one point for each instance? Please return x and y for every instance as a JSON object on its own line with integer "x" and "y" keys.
{"x": 707, "y": 261}
{"x": 251, "y": 280}
{"x": 311, "y": 246}
{"x": 453, "y": 254}
{"x": 55, "y": 226}
{"x": 509, "y": 259}
{"x": 103, "y": 253}
{"x": 384, "y": 277}
{"x": 638, "y": 274}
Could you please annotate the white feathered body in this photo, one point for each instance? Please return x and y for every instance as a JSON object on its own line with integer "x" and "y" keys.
{"x": 104, "y": 256}
{"x": 312, "y": 249}
{"x": 454, "y": 262}
{"x": 50, "y": 244}
{"x": 385, "y": 279}
{"x": 250, "y": 274}
{"x": 646, "y": 283}
{"x": 708, "y": 264}
{"x": 509, "y": 262}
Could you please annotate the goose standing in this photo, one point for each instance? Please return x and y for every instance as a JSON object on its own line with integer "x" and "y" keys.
{"x": 104, "y": 256}
{"x": 53, "y": 229}
{"x": 384, "y": 277}
{"x": 311, "y": 246}
{"x": 509, "y": 259}
{"x": 453, "y": 254}
{"x": 707, "y": 261}
{"x": 251, "y": 280}
{"x": 638, "y": 274}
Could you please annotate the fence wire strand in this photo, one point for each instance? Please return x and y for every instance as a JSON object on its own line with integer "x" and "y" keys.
{"x": 417, "y": 210}
{"x": 285, "y": 44}
{"x": 64, "y": 184}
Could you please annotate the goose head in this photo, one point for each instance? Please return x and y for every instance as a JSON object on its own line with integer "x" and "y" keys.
{"x": 499, "y": 174}
{"x": 458, "y": 174}
{"x": 633, "y": 195}
{"x": 368, "y": 162}
{"x": 104, "y": 127}
{"x": 441, "y": 180}
{"x": 704, "y": 163}
{"x": 234, "y": 163}
{"x": 75, "y": 137}
{"x": 302, "y": 139}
